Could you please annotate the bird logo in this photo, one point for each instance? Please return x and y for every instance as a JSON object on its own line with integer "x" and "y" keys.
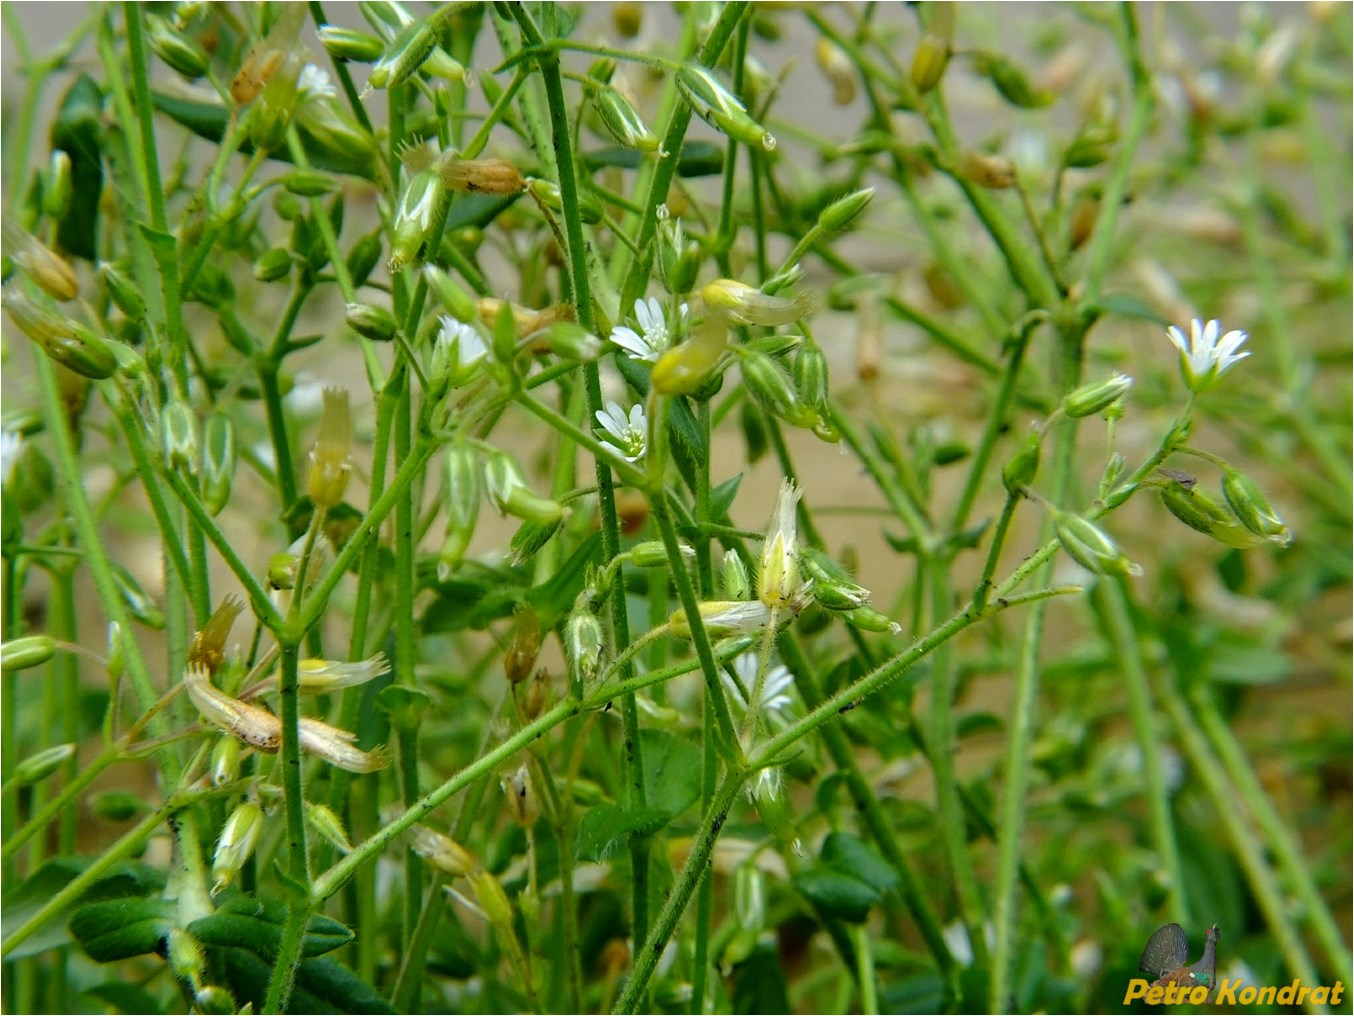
{"x": 1168, "y": 949}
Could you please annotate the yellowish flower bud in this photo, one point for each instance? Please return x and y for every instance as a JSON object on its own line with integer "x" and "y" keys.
{"x": 723, "y": 617}
{"x": 324, "y": 676}
{"x": 841, "y": 73}
{"x": 329, "y": 464}
{"x": 442, "y": 852}
{"x": 992, "y": 171}
{"x": 323, "y": 820}
{"x": 522, "y": 802}
{"x": 749, "y": 305}
{"x": 239, "y": 837}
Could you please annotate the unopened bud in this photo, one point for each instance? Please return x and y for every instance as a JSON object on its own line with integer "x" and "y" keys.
{"x": 994, "y": 172}
{"x": 44, "y": 266}
{"x": 329, "y": 464}
{"x": 350, "y": 44}
{"x": 718, "y": 107}
{"x": 125, "y": 296}
{"x": 176, "y": 49}
{"x": 364, "y": 255}
{"x": 734, "y": 578}
{"x": 458, "y": 355}
{"x": 840, "y": 214}
{"x": 1089, "y": 545}
{"x": 723, "y": 617}
{"x": 508, "y": 491}
{"x": 572, "y": 341}
{"x": 841, "y": 73}
{"x": 1020, "y": 472}
{"x": 584, "y": 641}
{"x": 371, "y": 322}
{"x": 1199, "y": 510}
{"x": 832, "y": 585}
{"x": 225, "y": 762}
{"x": 185, "y": 956}
{"x": 273, "y": 265}
{"x": 811, "y": 380}
{"x": 930, "y": 59}
{"x": 421, "y": 200}
{"x": 442, "y": 852}
{"x": 43, "y": 764}
{"x": 773, "y": 390}
{"x": 26, "y": 651}
{"x": 452, "y": 296}
{"x": 548, "y": 195}
{"x": 462, "y": 504}
{"x": 406, "y": 53}
{"x": 239, "y": 837}
{"x": 57, "y": 188}
{"x": 323, "y": 820}
{"x": 139, "y": 604}
{"x": 525, "y": 646}
{"x": 749, "y": 897}
{"x": 179, "y": 431}
{"x": 1096, "y": 397}
{"x": 218, "y": 462}
{"x": 309, "y": 183}
{"x": 1253, "y": 508}
{"x": 622, "y": 121}
{"x": 1010, "y": 81}
{"x": 492, "y": 899}
{"x": 869, "y": 619}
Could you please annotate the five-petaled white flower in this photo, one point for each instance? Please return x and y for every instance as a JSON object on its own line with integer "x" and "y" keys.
{"x": 457, "y": 352}
{"x": 625, "y": 434}
{"x": 655, "y": 334}
{"x": 775, "y": 686}
{"x": 314, "y": 81}
{"x": 1204, "y": 357}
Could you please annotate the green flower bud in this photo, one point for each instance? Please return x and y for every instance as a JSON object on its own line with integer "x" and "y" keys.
{"x": 462, "y": 503}
{"x": 139, "y": 605}
{"x": 350, "y": 44}
{"x": 178, "y": 428}
{"x": 455, "y": 299}
{"x": 176, "y": 49}
{"x": 218, "y": 462}
{"x": 679, "y": 259}
{"x": 654, "y": 554}
{"x": 734, "y": 578}
{"x": 869, "y": 619}
{"x": 1253, "y": 508}
{"x": 323, "y": 820}
{"x": 832, "y": 586}
{"x": 508, "y": 491}
{"x": 185, "y": 956}
{"x": 723, "y": 617}
{"x": 239, "y": 837}
{"x": 622, "y": 121}
{"x": 749, "y": 897}
{"x": 120, "y": 289}
{"x": 225, "y": 761}
{"x": 584, "y": 641}
{"x": 407, "y": 52}
{"x": 363, "y": 257}
{"x": 421, "y": 200}
{"x": 1200, "y": 511}
{"x": 117, "y": 654}
{"x": 571, "y": 341}
{"x": 1010, "y": 81}
{"x": 1090, "y": 546}
{"x": 334, "y": 130}
{"x": 1093, "y": 398}
{"x": 56, "y": 187}
{"x": 548, "y": 195}
{"x": 272, "y": 110}
{"x": 371, "y": 322}
{"x": 273, "y": 265}
{"x": 1090, "y": 148}
{"x": 718, "y": 107}
{"x": 1020, "y": 472}
{"x": 309, "y": 183}
{"x": 492, "y": 900}
{"x": 838, "y": 215}
{"x": 772, "y": 389}
{"x": 810, "y": 374}
{"x": 40, "y": 766}
{"x": 26, "y": 651}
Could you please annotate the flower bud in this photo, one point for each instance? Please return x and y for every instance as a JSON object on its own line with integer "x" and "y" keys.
{"x": 117, "y": 805}
{"x": 1010, "y": 81}
{"x": 40, "y": 766}
{"x": 772, "y": 389}
{"x": 832, "y": 586}
{"x": 723, "y": 617}
{"x": 117, "y": 654}
{"x": 43, "y": 265}
{"x": 185, "y": 956}
{"x": 26, "y": 651}
{"x": 1253, "y": 508}
{"x": 1020, "y": 472}
{"x": 869, "y": 619}
{"x": 749, "y": 897}
{"x": 1093, "y": 398}
{"x": 508, "y": 491}
{"x": 548, "y": 196}
{"x": 225, "y": 761}
{"x": 654, "y": 554}
{"x": 492, "y": 900}
{"x": 841, "y": 73}
{"x": 350, "y": 44}
{"x": 56, "y": 187}
{"x": 525, "y": 646}
{"x": 324, "y": 676}
{"x": 991, "y": 171}
{"x": 124, "y": 294}
{"x": 749, "y": 305}
{"x": 718, "y": 107}
{"x": 421, "y": 200}
{"x": 323, "y": 820}
{"x": 309, "y": 183}
{"x": 329, "y": 464}
{"x": 481, "y": 176}
{"x": 571, "y": 341}
{"x": 273, "y": 265}
{"x": 584, "y": 641}
{"x": 1090, "y": 148}
{"x": 452, "y": 296}
{"x": 933, "y": 51}
{"x": 218, "y": 462}
{"x": 239, "y": 837}
{"x": 840, "y": 214}
{"x": 142, "y": 608}
{"x": 176, "y": 49}
{"x": 1090, "y": 546}
{"x": 272, "y": 111}
{"x": 622, "y": 121}
{"x": 522, "y": 800}
{"x": 810, "y": 374}
{"x": 364, "y": 255}
{"x": 371, "y": 322}
{"x": 179, "y": 432}
{"x": 1199, "y": 510}
{"x": 407, "y": 52}
{"x": 734, "y": 578}
{"x": 458, "y": 355}
{"x": 442, "y": 852}
{"x": 462, "y": 504}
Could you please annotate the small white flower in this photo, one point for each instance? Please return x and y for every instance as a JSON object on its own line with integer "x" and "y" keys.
{"x": 1204, "y": 356}
{"x": 457, "y": 352}
{"x": 328, "y": 675}
{"x": 11, "y": 447}
{"x": 314, "y": 81}
{"x": 778, "y": 681}
{"x": 765, "y": 785}
{"x": 626, "y": 435}
{"x": 654, "y": 335}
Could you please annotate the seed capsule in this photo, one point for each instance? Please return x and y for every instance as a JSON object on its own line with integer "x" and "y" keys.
{"x": 1253, "y": 508}
{"x": 1096, "y": 397}
{"x": 718, "y": 107}
{"x": 1090, "y": 546}
{"x": 27, "y": 651}
{"x": 622, "y": 121}
{"x": 350, "y": 44}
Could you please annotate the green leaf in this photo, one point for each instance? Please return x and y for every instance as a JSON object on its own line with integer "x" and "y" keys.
{"x": 246, "y": 922}
{"x": 672, "y": 771}
{"x": 697, "y": 158}
{"x": 721, "y": 498}
{"x": 78, "y": 131}
{"x": 603, "y": 828}
{"x": 322, "y": 985}
{"x": 851, "y": 856}
{"x": 21, "y": 903}
{"x": 837, "y": 894}
{"x": 978, "y": 723}
{"x": 553, "y": 599}
{"x": 1126, "y": 305}
{"x": 1247, "y": 663}
{"x": 759, "y": 984}
{"x": 121, "y": 996}
{"x": 120, "y": 929}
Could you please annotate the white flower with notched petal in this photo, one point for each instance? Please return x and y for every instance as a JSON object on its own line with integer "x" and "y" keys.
{"x": 626, "y": 435}
{"x": 1204, "y": 357}
{"x": 654, "y": 336}
{"x": 774, "y": 695}
{"x": 314, "y": 81}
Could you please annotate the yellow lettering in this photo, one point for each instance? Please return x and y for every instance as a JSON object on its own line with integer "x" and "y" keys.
{"x": 1137, "y": 988}
{"x": 1198, "y": 994}
{"x": 1227, "y": 991}
{"x": 1248, "y": 995}
{"x": 1303, "y": 992}
{"x": 1320, "y": 995}
{"x": 1265, "y": 996}
{"x": 1154, "y": 995}
{"x": 1336, "y": 992}
{"x": 1287, "y": 993}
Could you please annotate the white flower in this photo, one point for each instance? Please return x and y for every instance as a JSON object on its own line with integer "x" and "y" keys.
{"x": 765, "y": 785}
{"x": 314, "y": 81}
{"x": 11, "y": 447}
{"x": 654, "y": 335}
{"x": 1205, "y": 357}
{"x": 457, "y": 352}
{"x": 329, "y": 675}
{"x": 778, "y": 681}
{"x": 626, "y": 435}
